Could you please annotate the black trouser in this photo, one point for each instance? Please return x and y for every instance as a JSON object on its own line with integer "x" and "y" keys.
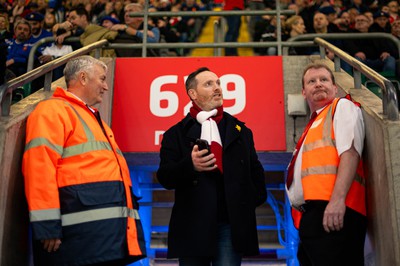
{"x": 319, "y": 248}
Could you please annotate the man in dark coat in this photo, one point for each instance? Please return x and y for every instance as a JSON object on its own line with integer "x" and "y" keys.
{"x": 216, "y": 190}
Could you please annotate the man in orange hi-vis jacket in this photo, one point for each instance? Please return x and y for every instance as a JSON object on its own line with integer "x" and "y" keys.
{"x": 325, "y": 182}
{"x": 77, "y": 182}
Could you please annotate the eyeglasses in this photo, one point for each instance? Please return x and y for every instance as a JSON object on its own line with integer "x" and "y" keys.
{"x": 361, "y": 20}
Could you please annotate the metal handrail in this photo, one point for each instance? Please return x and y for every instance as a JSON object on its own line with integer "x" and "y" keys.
{"x": 7, "y": 88}
{"x": 35, "y": 47}
{"x": 389, "y": 97}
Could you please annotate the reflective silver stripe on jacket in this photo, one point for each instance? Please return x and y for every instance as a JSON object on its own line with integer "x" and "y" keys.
{"x": 44, "y": 215}
{"x": 98, "y": 214}
{"x": 84, "y": 216}
{"x": 43, "y": 142}
{"x": 90, "y": 145}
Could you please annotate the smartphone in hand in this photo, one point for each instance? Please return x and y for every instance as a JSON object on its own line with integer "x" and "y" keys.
{"x": 203, "y": 144}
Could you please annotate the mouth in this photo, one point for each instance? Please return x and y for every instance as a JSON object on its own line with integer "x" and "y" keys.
{"x": 319, "y": 92}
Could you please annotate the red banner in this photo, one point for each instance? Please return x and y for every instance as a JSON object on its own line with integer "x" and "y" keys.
{"x": 150, "y": 97}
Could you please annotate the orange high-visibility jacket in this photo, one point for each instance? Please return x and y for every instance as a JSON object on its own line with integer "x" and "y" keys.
{"x": 320, "y": 162}
{"x": 77, "y": 184}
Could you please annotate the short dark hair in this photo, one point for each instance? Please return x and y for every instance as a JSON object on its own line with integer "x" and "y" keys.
{"x": 318, "y": 66}
{"x": 191, "y": 81}
{"x": 81, "y": 11}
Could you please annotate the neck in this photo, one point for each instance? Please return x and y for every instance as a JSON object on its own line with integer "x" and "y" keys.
{"x": 37, "y": 35}
{"x": 293, "y": 33}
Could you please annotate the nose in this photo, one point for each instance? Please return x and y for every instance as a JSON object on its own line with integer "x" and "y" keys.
{"x": 318, "y": 83}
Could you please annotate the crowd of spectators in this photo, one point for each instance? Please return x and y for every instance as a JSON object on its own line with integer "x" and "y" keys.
{"x": 337, "y": 16}
{"x": 24, "y": 22}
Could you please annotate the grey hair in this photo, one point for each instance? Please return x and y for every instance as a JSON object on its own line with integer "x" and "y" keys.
{"x": 83, "y": 63}
{"x": 136, "y": 6}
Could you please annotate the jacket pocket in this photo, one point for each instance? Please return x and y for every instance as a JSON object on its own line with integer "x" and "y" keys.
{"x": 101, "y": 194}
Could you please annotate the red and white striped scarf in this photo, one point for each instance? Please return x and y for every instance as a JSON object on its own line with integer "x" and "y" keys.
{"x": 209, "y": 129}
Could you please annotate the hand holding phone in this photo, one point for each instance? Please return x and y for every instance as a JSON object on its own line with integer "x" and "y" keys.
{"x": 203, "y": 144}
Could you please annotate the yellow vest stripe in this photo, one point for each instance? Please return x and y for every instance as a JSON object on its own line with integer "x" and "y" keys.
{"x": 86, "y": 147}
{"x": 43, "y": 142}
{"x": 320, "y": 170}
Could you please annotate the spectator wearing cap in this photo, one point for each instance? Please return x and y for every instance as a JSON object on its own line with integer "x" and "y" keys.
{"x": 109, "y": 21}
{"x": 381, "y": 22}
{"x": 35, "y": 19}
{"x": 331, "y": 16}
{"x": 393, "y": 6}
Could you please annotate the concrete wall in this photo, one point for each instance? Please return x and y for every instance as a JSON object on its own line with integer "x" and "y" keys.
{"x": 381, "y": 161}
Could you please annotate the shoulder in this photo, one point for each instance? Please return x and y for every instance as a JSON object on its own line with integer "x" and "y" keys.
{"x": 232, "y": 118}
{"x": 346, "y": 104}
{"x": 233, "y": 122}
{"x": 187, "y": 121}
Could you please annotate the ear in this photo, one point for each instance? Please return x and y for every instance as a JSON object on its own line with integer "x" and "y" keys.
{"x": 83, "y": 78}
{"x": 303, "y": 93}
{"x": 192, "y": 94}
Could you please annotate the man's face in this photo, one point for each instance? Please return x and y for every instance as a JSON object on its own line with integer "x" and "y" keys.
{"x": 320, "y": 21}
{"x": 132, "y": 21}
{"x": 381, "y": 21}
{"x": 345, "y": 19}
{"x": 36, "y": 27}
{"x": 318, "y": 88}
{"x": 22, "y": 32}
{"x": 396, "y": 29}
{"x": 95, "y": 85}
{"x": 107, "y": 24}
{"x": 393, "y": 7}
{"x": 76, "y": 20}
{"x": 208, "y": 93}
{"x": 362, "y": 24}
{"x": 2, "y": 23}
